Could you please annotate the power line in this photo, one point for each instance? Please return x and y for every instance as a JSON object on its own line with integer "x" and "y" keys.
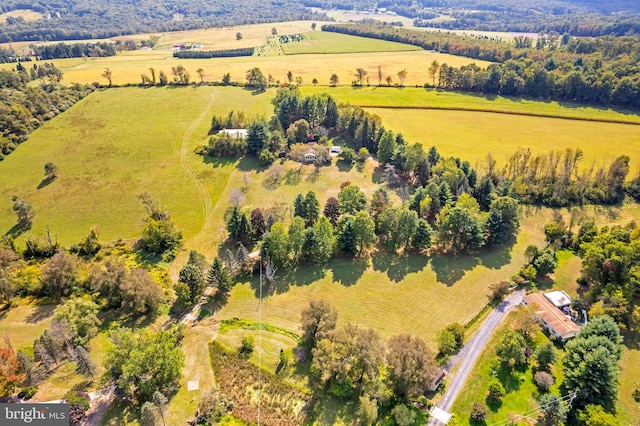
{"x": 535, "y": 411}
{"x": 260, "y": 341}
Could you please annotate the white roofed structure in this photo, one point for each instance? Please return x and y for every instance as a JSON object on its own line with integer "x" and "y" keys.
{"x": 560, "y": 299}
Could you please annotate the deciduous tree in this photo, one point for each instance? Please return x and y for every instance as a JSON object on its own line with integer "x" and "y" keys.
{"x": 142, "y": 362}
{"x": 410, "y": 365}
{"x": 318, "y": 319}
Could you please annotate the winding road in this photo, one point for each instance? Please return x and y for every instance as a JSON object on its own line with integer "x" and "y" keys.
{"x": 470, "y": 353}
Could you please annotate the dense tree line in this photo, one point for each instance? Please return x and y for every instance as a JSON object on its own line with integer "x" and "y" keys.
{"x": 90, "y": 19}
{"x": 74, "y": 50}
{"x": 23, "y": 107}
{"x": 598, "y": 71}
{"x": 208, "y": 54}
{"x": 353, "y": 362}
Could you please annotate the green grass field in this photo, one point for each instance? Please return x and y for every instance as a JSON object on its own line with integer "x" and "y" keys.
{"x": 420, "y": 98}
{"x": 327, "y": 42}
{"x": 23, "y": 324}
{"x": 521, "y": 391}
{"x": 114, "y": 145}
{"x": 472, "y": 135}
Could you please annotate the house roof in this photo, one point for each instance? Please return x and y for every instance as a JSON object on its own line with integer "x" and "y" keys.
{"x": 552, "y": 316}
{"x": 559, "y": 298}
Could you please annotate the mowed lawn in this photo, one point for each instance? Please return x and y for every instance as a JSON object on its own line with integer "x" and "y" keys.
{"x": 23, "y": 324}
{"x": 115, "y": 145}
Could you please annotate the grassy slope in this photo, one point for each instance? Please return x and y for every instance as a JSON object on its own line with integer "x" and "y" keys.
{"x": 24, "y": 324}
{"x": 326, "y": 42}
{"x": 115, "y": 145}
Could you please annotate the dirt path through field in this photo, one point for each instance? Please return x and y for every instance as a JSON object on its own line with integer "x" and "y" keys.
{"x": 470, "y": 353}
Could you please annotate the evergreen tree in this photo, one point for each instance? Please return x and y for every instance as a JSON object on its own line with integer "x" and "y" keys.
{"x": 495, "y": 234}
{"x": 310, "y": 246}
{"x": 300, "y": 207}
{"x": 422, "y": 237}
{"x": 193, "y": 278}
{"x": 346, "y": 237}
{"x": 312, "y": 207}
{"x": 84, "y": 365}
{"x": 331, "y": 115}
{"x": 219, "y": 276}
{"x": 445, "y": 194}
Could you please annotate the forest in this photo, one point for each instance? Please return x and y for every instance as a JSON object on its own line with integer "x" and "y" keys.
{"x": 87, "y": 19}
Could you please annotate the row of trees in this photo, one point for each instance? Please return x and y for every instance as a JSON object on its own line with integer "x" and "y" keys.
{"x": 74, "y": 50}
{"x": 597, "y": 72}
{"x": 208, "y": 54}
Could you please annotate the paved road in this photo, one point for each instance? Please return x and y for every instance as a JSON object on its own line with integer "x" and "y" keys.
{"x": 469, "y": 354}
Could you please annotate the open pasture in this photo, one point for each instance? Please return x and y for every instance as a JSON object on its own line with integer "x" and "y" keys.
{"x": 421, "y": 98}
{"x": 114, "y": 145}
{"x": 471, "y": 135}
{"x": 328, "y": 42}
{"x": 127, "y": 67}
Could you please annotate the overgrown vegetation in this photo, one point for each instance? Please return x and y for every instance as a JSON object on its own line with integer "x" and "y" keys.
{"x": 23, "y": 107}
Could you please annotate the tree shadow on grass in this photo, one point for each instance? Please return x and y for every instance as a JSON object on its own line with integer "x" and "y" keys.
{"x": 45, "y": 182}
{"x": 344, "y": 166}
{"x": 16, "y": 230}
{"x": 293, "y": 176}
{"x": 218, "y": 161}
{"x": 303, "y": 275}
{"x": 498, "y": 256}
{"x": 450, "y": 268}
{"x": 347, "y": 271}
{"x": 40, "y": 313}
{"x": 511, "y": 379}
{"x": 398, "y": 267}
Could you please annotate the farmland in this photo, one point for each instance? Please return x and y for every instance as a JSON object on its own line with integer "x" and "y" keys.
{"x": 120, "y": 142}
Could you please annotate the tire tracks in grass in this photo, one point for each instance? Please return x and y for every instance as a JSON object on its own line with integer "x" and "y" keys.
{"x": 187, "y": 166}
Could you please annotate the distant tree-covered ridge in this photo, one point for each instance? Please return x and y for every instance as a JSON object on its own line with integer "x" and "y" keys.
{"x": 599, "y": 71}
{"x": 87, "y": 19}
{"x": 577, "y": 17}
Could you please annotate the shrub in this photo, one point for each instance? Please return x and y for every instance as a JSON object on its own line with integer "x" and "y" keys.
{"x": 499, "y": 290}
{"x": 636, "y": 395}
{"x": 266, "y": 157}
{"x": 248, "y": 344}
{"x": 29, "y": 392}
{"x": 479, "y": 411}
{"x": 543, "y": 380}
{"x": 496, "y": 390}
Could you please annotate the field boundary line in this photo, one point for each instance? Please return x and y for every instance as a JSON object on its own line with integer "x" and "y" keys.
{"x": 498, "y": 111}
